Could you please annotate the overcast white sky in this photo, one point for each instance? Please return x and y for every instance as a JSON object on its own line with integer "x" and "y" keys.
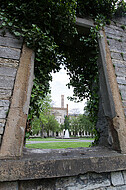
{"x": 58, "y": 88}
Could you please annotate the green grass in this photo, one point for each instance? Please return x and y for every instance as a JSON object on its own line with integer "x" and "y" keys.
{"x": 83, "y": 138}
{"x": 55, "y": 145}
{"x": 54, "y": 139}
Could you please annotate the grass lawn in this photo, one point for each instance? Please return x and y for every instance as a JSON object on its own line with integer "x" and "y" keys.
{"x": 57, "y": 145}
{"x": 52, "y": 139}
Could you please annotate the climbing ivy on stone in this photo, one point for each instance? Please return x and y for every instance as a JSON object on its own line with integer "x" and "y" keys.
{"x": 48, "y": 27}
{"x": 44, "y": 26}
{"x": 93, "y": 8}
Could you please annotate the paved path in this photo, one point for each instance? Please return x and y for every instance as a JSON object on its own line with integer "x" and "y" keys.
{"x": 77, "y": 140}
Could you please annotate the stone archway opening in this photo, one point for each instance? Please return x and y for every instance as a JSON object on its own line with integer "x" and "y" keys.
{"x": 91, "y": 168}
{"x": 112, "y": 107}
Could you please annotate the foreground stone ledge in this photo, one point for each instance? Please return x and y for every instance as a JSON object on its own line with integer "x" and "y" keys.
{"x": 39, "y": 164}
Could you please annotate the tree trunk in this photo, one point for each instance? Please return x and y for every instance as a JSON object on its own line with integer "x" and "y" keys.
{"x": 47, "y": 133}
{"x": 42, "y": 129}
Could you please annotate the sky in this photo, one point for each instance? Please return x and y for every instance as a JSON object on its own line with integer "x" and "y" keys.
{"x": 58, "y": 88}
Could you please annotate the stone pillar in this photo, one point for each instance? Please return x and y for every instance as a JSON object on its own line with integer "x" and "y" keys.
{"x": 10, "y": 50}
{"x": 13, "y": 138}
{"x": 111, "y": 99}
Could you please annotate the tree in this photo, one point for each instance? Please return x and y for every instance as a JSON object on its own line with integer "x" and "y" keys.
{"x": 44, "y": 122}
{"x": 80, "y": 124}
{"x": 66, "y": 122}
{"x": 39, "y": 122}
{"x": 51, "y": 125}
{"x": 74, "y": 125}
{"x": 38, "y": 125}
{"x": 85, "y": 124}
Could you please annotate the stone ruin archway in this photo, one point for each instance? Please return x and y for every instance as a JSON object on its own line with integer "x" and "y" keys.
{"x": 16, "y": 74}
{"x": 17, "y": 65}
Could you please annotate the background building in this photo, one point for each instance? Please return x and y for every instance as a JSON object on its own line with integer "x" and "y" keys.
{"x": 60, "y": 112}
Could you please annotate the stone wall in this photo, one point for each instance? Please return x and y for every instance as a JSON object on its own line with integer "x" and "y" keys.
{"x": 116, "y": 37}
{"x": 93, "y": 181}
{"x": 16, "y": 79}
{"x": 88, "y": 181}
{"x": 65, "y": 169}
{"x": 111, "y": 123}
{"x": 10, "y": 50}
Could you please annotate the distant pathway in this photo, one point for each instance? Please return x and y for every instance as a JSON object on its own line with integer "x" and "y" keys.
{"x": 36, "y": 142}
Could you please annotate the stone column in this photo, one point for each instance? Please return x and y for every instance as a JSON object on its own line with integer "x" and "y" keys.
{"x": 13, "y": 138}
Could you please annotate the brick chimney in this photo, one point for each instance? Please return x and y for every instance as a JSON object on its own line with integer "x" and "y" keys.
{"x": 62, "y": 101}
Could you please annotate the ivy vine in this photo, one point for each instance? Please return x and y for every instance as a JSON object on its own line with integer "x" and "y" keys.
{"x": 48, "y": 27}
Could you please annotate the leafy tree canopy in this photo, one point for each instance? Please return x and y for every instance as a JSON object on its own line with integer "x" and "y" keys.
{"x": 43, "y": 121}
{"x": 81, "y": 123}
{"x": 66, "y": 122}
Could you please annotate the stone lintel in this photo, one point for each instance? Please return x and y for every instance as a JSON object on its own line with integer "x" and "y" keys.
{"x": 41, "y": 164}
{"x": 85, "y": 22}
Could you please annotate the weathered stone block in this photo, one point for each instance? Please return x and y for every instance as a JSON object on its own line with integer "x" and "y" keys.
{"x": 117, "y": 188}
{"x": 5, "y": 94}
{"x": 2, "y": 125}
{"x": 6, "y": 82}
{"x": 76, "y": 187}
{"x": 122, "y": 87}
{"x": 1, "y": 130}
{"x": 121, "y": 81}
{"x": 114, "y": 30}
{"x": 88, "y": 182}
{"x": 112, "y": 36}
{"x": 7, "y": 71}
{"x": 123, "y": 94}
{"x": 10, "y": 53}
{"x": 101, "y": 188}
{"x": 117, "y": 56}
{"x": 116, "y": 27}
{"x": 4, "y": 103}
{"x": 121, "y": 20}
{"x": 2, "y": 121}
{"x": 120, "y": 77}
{"x": 115, "y": 45}
{"x": 3, "y": 112}
{"x": 37, "y": 185}
{"x": 95, "y": 184}
{"x": 5, "y": 32}
{"x": 10, "y": 42}
{"x": 117, "y": 178}
{"x": 9, "y": 186}
{"x": 121, "y": 72}
{"x": 65, "y": 182}
{"x": 124, "y": 176}
{"x": 9, "y": 62}
{"x": 118, "y": 63}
